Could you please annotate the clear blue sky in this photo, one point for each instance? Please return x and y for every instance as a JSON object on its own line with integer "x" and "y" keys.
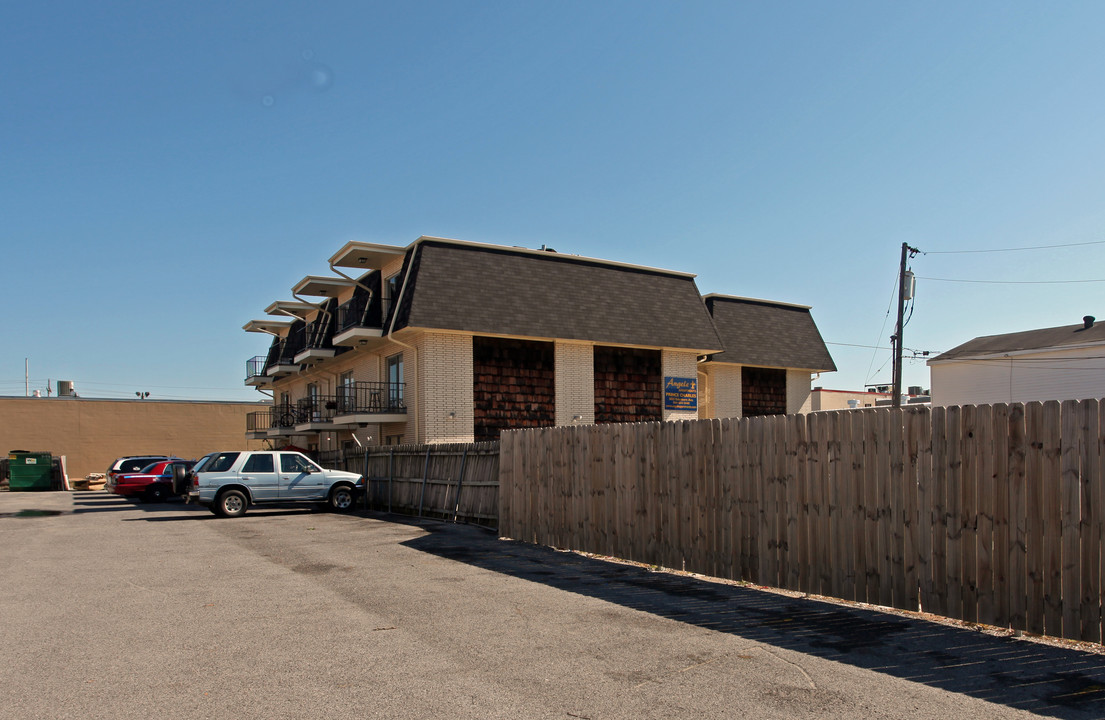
{"x": 168, "y": 169}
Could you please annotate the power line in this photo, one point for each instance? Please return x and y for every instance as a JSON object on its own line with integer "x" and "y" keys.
{"x": 876, "y": 347}
{"x": 1018, "y": 249}
{"x": 1011, "y": 282}
{"x": 882, "y": 329}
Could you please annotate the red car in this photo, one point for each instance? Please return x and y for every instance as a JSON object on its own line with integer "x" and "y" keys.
{"x": 154, "y": 483}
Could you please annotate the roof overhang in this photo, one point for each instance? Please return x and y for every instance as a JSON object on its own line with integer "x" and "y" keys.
{"x": 710, "y": 361}
{"x": 550, "y": 253}
{"x": 366, "y": 256}
{"x": 291, "y": 308}
{"x": 1009, "y": 354}
{"x": 320, "y": 286}
{"x": 755, "y": 300}
{"x": 271, "y": 327}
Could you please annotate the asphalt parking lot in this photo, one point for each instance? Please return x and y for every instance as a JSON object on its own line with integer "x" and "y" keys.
{"x": 113, "y": 609}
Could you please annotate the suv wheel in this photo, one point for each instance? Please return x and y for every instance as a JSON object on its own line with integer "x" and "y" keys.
{"x": 341, "y": 498}
{"x": 231, "y": 503}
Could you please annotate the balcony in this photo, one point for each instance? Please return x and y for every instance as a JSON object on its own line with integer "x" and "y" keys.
{"x": 363, "y": 403}
{"x": 258, "y": 424}
{"x": 255, "y": 372}
{"x": 361, "y": 321}
{"x": 281, "y": 359}
{"x": 316, "y": 340}
{"x": 281, "y": 423}
{"x": 315, "y": 413}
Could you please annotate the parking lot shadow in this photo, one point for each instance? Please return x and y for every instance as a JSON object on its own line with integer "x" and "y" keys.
{"x": 92, "y": 502}
{"x": 1044, "y": 679}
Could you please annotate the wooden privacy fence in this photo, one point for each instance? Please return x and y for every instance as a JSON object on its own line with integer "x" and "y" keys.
{"x": 458, "y": 482}
{"x": 991, "y": 514}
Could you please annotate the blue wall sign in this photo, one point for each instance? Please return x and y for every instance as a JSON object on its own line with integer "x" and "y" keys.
{"x": 680, "y": 393}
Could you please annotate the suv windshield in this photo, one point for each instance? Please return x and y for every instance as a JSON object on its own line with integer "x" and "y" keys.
{"x": 198, "y": 467}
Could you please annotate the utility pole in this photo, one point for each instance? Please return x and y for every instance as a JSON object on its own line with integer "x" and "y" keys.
{"x": 896, "y": 341}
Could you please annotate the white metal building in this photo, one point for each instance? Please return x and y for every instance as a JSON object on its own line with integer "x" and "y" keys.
{"x": 1061, "y": 363}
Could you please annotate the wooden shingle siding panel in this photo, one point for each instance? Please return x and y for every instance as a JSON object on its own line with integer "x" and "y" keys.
{"x": 513, "y": 385}
{"x": 763, "y": 391}
{"x": 628, "y": 385}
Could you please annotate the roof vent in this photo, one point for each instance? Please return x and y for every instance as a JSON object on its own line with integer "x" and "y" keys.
{"x": 1087, "y": 321}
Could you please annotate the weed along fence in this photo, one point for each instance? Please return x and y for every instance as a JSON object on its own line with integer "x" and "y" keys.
{"x": 453, "y": 482}
{"x": 990, "y": 514}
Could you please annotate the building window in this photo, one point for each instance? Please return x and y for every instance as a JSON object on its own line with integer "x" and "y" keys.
{"x": 395, "y": 380}
{"x": 391, "y": 287}
{"x": 345, "y": 390}
{"x": 312, "y": 402}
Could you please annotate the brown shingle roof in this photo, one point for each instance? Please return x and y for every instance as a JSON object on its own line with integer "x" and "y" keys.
{"x": 1042, "y": 339}
{"x": 768, "y": 334}
{"x": 501, "y": 291}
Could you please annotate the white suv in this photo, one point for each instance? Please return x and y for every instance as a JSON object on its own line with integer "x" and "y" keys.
{"x": 229, "y": 482}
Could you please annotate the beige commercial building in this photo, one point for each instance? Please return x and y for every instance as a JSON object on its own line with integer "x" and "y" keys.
{"x": 451, "y": 341}
{"x": 92, "y": 433}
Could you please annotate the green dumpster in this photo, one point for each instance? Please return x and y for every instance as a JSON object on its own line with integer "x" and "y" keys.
{"x": 30, "y": 471}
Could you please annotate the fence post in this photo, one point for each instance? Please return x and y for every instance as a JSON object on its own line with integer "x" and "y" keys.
{"x": 391, "y": 475}
{"x": 425, "y": 477}
{"x": 365, "y": 476}
{"x": 460, "y": 481}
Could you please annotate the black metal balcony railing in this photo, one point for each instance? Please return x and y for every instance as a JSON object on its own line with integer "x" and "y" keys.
{"x": 259, "y": 421}
{"x": 283, "y": 416}
{"x": 363, "y": 311}
{"x": 371, "y": 397}
{"x": 274, "y": 352}
{"x": 315, "y": 408}
{"x": 319, "y": 333}
{"x": 283, "y": 350}
{"x": 360, "y": 398}
{"x": 255, "y": 366}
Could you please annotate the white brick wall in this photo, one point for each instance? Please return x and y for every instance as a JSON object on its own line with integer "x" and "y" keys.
{"x": 575, "y": 382}
{"x": 724, "y": 386}
{"x": 678, "y": 363}
{"x": 445, "y": 388}
{"x": 798, "y": 392}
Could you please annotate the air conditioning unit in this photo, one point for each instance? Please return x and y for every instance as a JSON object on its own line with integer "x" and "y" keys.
{"x": 65, "y": 388}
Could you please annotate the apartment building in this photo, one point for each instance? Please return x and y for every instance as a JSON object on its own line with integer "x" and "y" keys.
{"x": 452, "y": 341}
